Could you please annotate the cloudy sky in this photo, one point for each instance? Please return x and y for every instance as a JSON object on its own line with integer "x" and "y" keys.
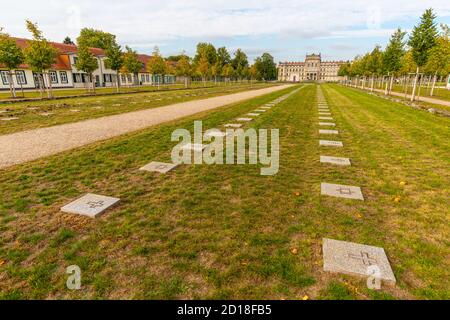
{"x": 286, "y": 28}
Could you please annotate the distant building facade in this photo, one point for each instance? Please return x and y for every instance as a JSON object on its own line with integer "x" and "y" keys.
{"x": 64, "y": 74}
{"x": 312, "y": 69}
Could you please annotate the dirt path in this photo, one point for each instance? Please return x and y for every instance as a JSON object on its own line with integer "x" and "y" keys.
{"x": 408, "y": 96}
{"x": 33, "y": 144}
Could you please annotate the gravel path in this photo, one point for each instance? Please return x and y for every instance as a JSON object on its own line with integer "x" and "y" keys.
{"x": 29, "y": 145}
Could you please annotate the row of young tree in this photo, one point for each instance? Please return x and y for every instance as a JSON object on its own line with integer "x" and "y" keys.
{"x": 425, "y": 54}
{"x": 207, "y": 64}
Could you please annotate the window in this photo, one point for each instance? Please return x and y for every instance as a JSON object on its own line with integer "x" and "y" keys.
{"x": 63, "y": 76}
{"x": 147, "y": 77}
{"x": 129, "y": 78}
{"x": 75, "y": 59}
{"x": 142, "y": 77}
{"x": 53, "y": 76}
{"x": 20, "y": 77}
{"x": 4, "y": 75}
{"x": 122, "y": 77}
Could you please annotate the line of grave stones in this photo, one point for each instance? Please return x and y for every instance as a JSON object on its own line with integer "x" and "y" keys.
{"x": 342, "y": 256}
{"x": 93, "y": 205}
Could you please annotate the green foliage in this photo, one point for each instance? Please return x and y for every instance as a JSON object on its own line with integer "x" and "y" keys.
{"x": 439, "y": 56}
{"x": 86, "y": 61}
{"x": 394, "y": 52}
{"x": 423, "y": 38}
{"x": 67, "y": 40}
{"x": 96, "y": 38}
{"x": 184, "y": 67}
{"x": 114, "y": 57}
{"x": 240, "y": 63}
{"x": 206, "y": 50}
{"x": 266, "y": 67}
{"x": 11, "y": 55}
{"x": 131, "y": 63}
{"x": 39, "y": 54}
{"x": 156, "y": 64}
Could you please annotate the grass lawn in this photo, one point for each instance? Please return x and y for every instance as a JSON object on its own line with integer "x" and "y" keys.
{"x": 39, "y": 114}
{"x": 6, "y": 95}
{"x": 439, "y": 93}
{"x": 225, "y": 231}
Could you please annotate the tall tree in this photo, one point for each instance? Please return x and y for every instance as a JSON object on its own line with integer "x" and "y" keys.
{"x": 131, "y": 63}
{"x": 266, "y": 67}
{"x": 11, "y": 57}
{"x": 438, "y": 62}
{"x": 86, "y": 62}
{"x": 422, "y": 40}
{"x": 114, "y": 60}
{"x": 206, "y": 50}
{"x": 239, "y": 63}
{"x": 67, "y": 40}
{"x": 394, "y": 52}
{"x": 184, "y": 68}
{"x": 156, "y": 64}
{"x": 40, "y": 55}
{"x": 96, "y": 38}
{"x": 203, "y": 68}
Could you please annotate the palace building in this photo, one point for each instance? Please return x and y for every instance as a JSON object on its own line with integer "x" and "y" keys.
{"x": 64, "y": 74}
{"x": 313, "y": 69}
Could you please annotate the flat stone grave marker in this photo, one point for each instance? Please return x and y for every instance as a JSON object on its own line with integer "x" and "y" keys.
{"x": 196, "y": 147}
{"x": 233, "y": 125}
{"x": 3, "y": 111}
{"x": 355, "y": 259}
{"x": 335, "y": 160}
{"x": 215, "y": 133}
{"x": 330, "y": 143}
{"x": 76, "y": 110}
{"x": 160, "y": 167}
{"x": 9, "y": 119}
{"x": 265, "y": 107}
{"x": 90, "y": 205}
{"x": 258, "y": 110}
{"x": 46, "y": 114}
{"x": 330, "y": 124}
{"x": 244, "y": 119}
{"x": 324, "y": 113}
{"x": 341, "y": 191}
{"x": 253, "y": 114}
{"x": 33, "y": 108}
{"x": 328, "y": 132}
{"x": 325, "y": 118}
{"x": 117, "y": 105}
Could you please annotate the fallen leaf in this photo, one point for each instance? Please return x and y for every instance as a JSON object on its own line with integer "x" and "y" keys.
{"x": 402, "y": 183}
{"x": 297, "y": 193}
{"x": 305, "y": 297}
{"x": 2, "y": 262}
{"x": 294, "y": 250}
{"x": 358, "y": 215}
{"x": 397, "y": 199}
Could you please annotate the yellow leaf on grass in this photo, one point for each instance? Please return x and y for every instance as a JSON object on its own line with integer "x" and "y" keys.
{"x": 294, "y": 250}
{"x": 305, "y": 297}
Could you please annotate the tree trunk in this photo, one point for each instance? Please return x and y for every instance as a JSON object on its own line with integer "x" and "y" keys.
{"x": 386, "y": 87}
{"x": 373, "y": 83}
{"x": 93, "y": 83}
{"x": 11, "y": 84}
{"x": 432, "y": 86}
{"x": 390, "y": 85}
{"x": 41, "y": 84}
{"x": 50, "y": 89}
{"x": 117, "y": 82}
{"x": 415, "y": 84}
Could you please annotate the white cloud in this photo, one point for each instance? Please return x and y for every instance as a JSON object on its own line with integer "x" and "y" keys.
{"x": 145, "y": 23}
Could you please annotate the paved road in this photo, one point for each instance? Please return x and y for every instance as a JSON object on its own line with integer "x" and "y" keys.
{"x": 29, "y": 145}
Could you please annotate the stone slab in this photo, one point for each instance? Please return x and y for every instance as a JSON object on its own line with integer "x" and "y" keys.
{"x": 335, "y": 160}
{"x": 197, "y": 147}
{"x": 9, "y": 119}
{"x": 244, "y": 119}
{"x": 258, "y": 110}
{"x": 341, "y": 191}
{"x": 325, "y": 118}
{"x": 355, "y": 259}
{"x": 91, "y": 205}
{"x": 215, "y": 133}
{"x": 330, "y": 124}
{"x": 328, "y": 132}
{"x": 233, "y": 125}
{"x": 324, "y": 113}
{"x": 160, "y": 167}
{"x": 253, "y": 114}
{"x": 330, "y": 143}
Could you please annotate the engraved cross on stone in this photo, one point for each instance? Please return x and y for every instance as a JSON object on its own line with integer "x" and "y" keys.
{"x": 95, "y": 204}
{"x": 344, "y": 191}
{"x": 363, "y": 257}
